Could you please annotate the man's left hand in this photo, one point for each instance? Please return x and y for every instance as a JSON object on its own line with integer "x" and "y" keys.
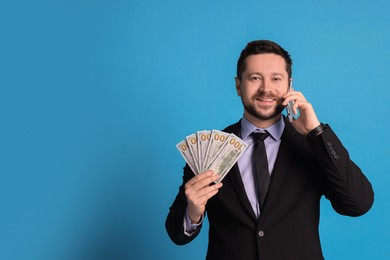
{"x": 307, "y": 119}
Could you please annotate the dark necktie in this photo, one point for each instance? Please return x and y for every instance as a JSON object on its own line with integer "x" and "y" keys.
{"x": 261, "y": 166}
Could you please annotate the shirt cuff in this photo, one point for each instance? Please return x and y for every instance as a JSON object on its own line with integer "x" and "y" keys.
{"x": 189, "y": 228}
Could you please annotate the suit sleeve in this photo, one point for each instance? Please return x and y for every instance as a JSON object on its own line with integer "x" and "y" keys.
{"x": 347, "y": 188}
{"x": 174, "y": 221}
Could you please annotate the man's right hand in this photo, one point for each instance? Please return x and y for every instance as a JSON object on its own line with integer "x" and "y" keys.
{"x": 198, "y": 191}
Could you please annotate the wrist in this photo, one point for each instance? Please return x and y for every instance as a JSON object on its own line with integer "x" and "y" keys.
{"x": 195, "y": 220}
{"x": 194, "y": 217}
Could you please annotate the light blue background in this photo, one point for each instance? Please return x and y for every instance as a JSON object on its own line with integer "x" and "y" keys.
{"x": 94, "y": 96}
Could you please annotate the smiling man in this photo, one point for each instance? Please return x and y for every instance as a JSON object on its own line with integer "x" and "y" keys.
{"x": 268, "y": 205}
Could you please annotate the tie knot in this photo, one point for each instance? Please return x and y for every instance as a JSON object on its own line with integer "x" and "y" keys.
{"x": 260, "y": 136}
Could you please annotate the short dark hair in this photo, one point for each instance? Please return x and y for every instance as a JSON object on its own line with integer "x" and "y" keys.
{"x": 263, "y": 47}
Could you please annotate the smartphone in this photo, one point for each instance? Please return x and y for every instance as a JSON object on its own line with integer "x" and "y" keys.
{"x": 290, "y": 113}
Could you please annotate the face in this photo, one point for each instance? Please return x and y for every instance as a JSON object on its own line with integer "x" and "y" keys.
{"x": 262, "y": 85}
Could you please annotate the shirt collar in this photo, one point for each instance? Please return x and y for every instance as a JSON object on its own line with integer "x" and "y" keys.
{"x": 275, "y": 130}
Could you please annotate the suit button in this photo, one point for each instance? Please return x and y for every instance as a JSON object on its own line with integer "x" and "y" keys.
{"x": 261, "y": 233}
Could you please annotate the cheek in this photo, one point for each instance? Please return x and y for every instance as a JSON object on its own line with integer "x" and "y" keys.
{"x": 249, "y": 91}
{"x": 283, "y": 89}
{"x": 244, "y": 93}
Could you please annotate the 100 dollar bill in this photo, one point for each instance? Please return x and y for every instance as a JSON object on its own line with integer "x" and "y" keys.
{"x": 227, "y": 156}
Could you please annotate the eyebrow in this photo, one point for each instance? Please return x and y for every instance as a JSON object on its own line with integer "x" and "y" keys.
{"x": 272, "y": 74}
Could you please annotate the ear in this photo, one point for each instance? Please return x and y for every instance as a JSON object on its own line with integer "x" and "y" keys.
{"x": 238, "y": 86}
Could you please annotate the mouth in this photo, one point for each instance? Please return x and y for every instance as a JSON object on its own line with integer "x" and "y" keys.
{"x": 265, "y": 99}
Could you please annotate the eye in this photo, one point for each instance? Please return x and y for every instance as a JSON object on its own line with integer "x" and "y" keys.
{"x": 255, "y": 78}
{"x": 277, "y": 79}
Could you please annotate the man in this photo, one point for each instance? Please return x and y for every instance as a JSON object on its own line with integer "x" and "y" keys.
{"x": 305, "y": 161}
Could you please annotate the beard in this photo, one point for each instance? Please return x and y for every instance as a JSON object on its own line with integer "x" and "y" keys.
{"x": 263, "y": 112}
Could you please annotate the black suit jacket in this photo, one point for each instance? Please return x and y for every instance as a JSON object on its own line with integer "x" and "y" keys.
{"x": 305, "y": 169}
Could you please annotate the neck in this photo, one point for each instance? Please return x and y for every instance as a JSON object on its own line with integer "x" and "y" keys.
{"x": 262, "y": 123}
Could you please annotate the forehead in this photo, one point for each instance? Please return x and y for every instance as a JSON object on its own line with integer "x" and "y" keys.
{"x": 265, "y": 63}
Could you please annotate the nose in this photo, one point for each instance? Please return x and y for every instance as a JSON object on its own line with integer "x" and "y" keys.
{"x": 266, "y": 86}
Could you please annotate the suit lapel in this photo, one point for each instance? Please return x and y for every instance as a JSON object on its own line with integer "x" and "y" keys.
{"x": 234, "y": 177}
{"x": 236, "y": 181}
{"x": 283, "y": 163}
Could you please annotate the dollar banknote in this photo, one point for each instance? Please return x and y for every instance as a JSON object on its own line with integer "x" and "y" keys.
{"x": 192, "y": 142}
{"x": 227, "y": 156}
{"x": 186, "y": 153}
{"x": 211, "y": 150}
{"x": 217, "y": 139}
{"x": 203, "y": 144}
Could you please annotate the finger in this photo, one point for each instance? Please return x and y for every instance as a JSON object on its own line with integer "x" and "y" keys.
{"x": 295, "y": 107}
{"x": 302, "y": 105}
{"x": 202, "y": 181}
{"x": 205, "y": 198}
{"x": 291, "y": 96}
{"x": 287, "y": 98}
{"x": 202, "y": 196}
{"x": 209, "y": 189}
{"x": 200, "y": 188}
{"x": 200, "y": 176}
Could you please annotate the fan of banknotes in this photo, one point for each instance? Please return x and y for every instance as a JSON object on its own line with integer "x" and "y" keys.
{"x": 211, "y": 150}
